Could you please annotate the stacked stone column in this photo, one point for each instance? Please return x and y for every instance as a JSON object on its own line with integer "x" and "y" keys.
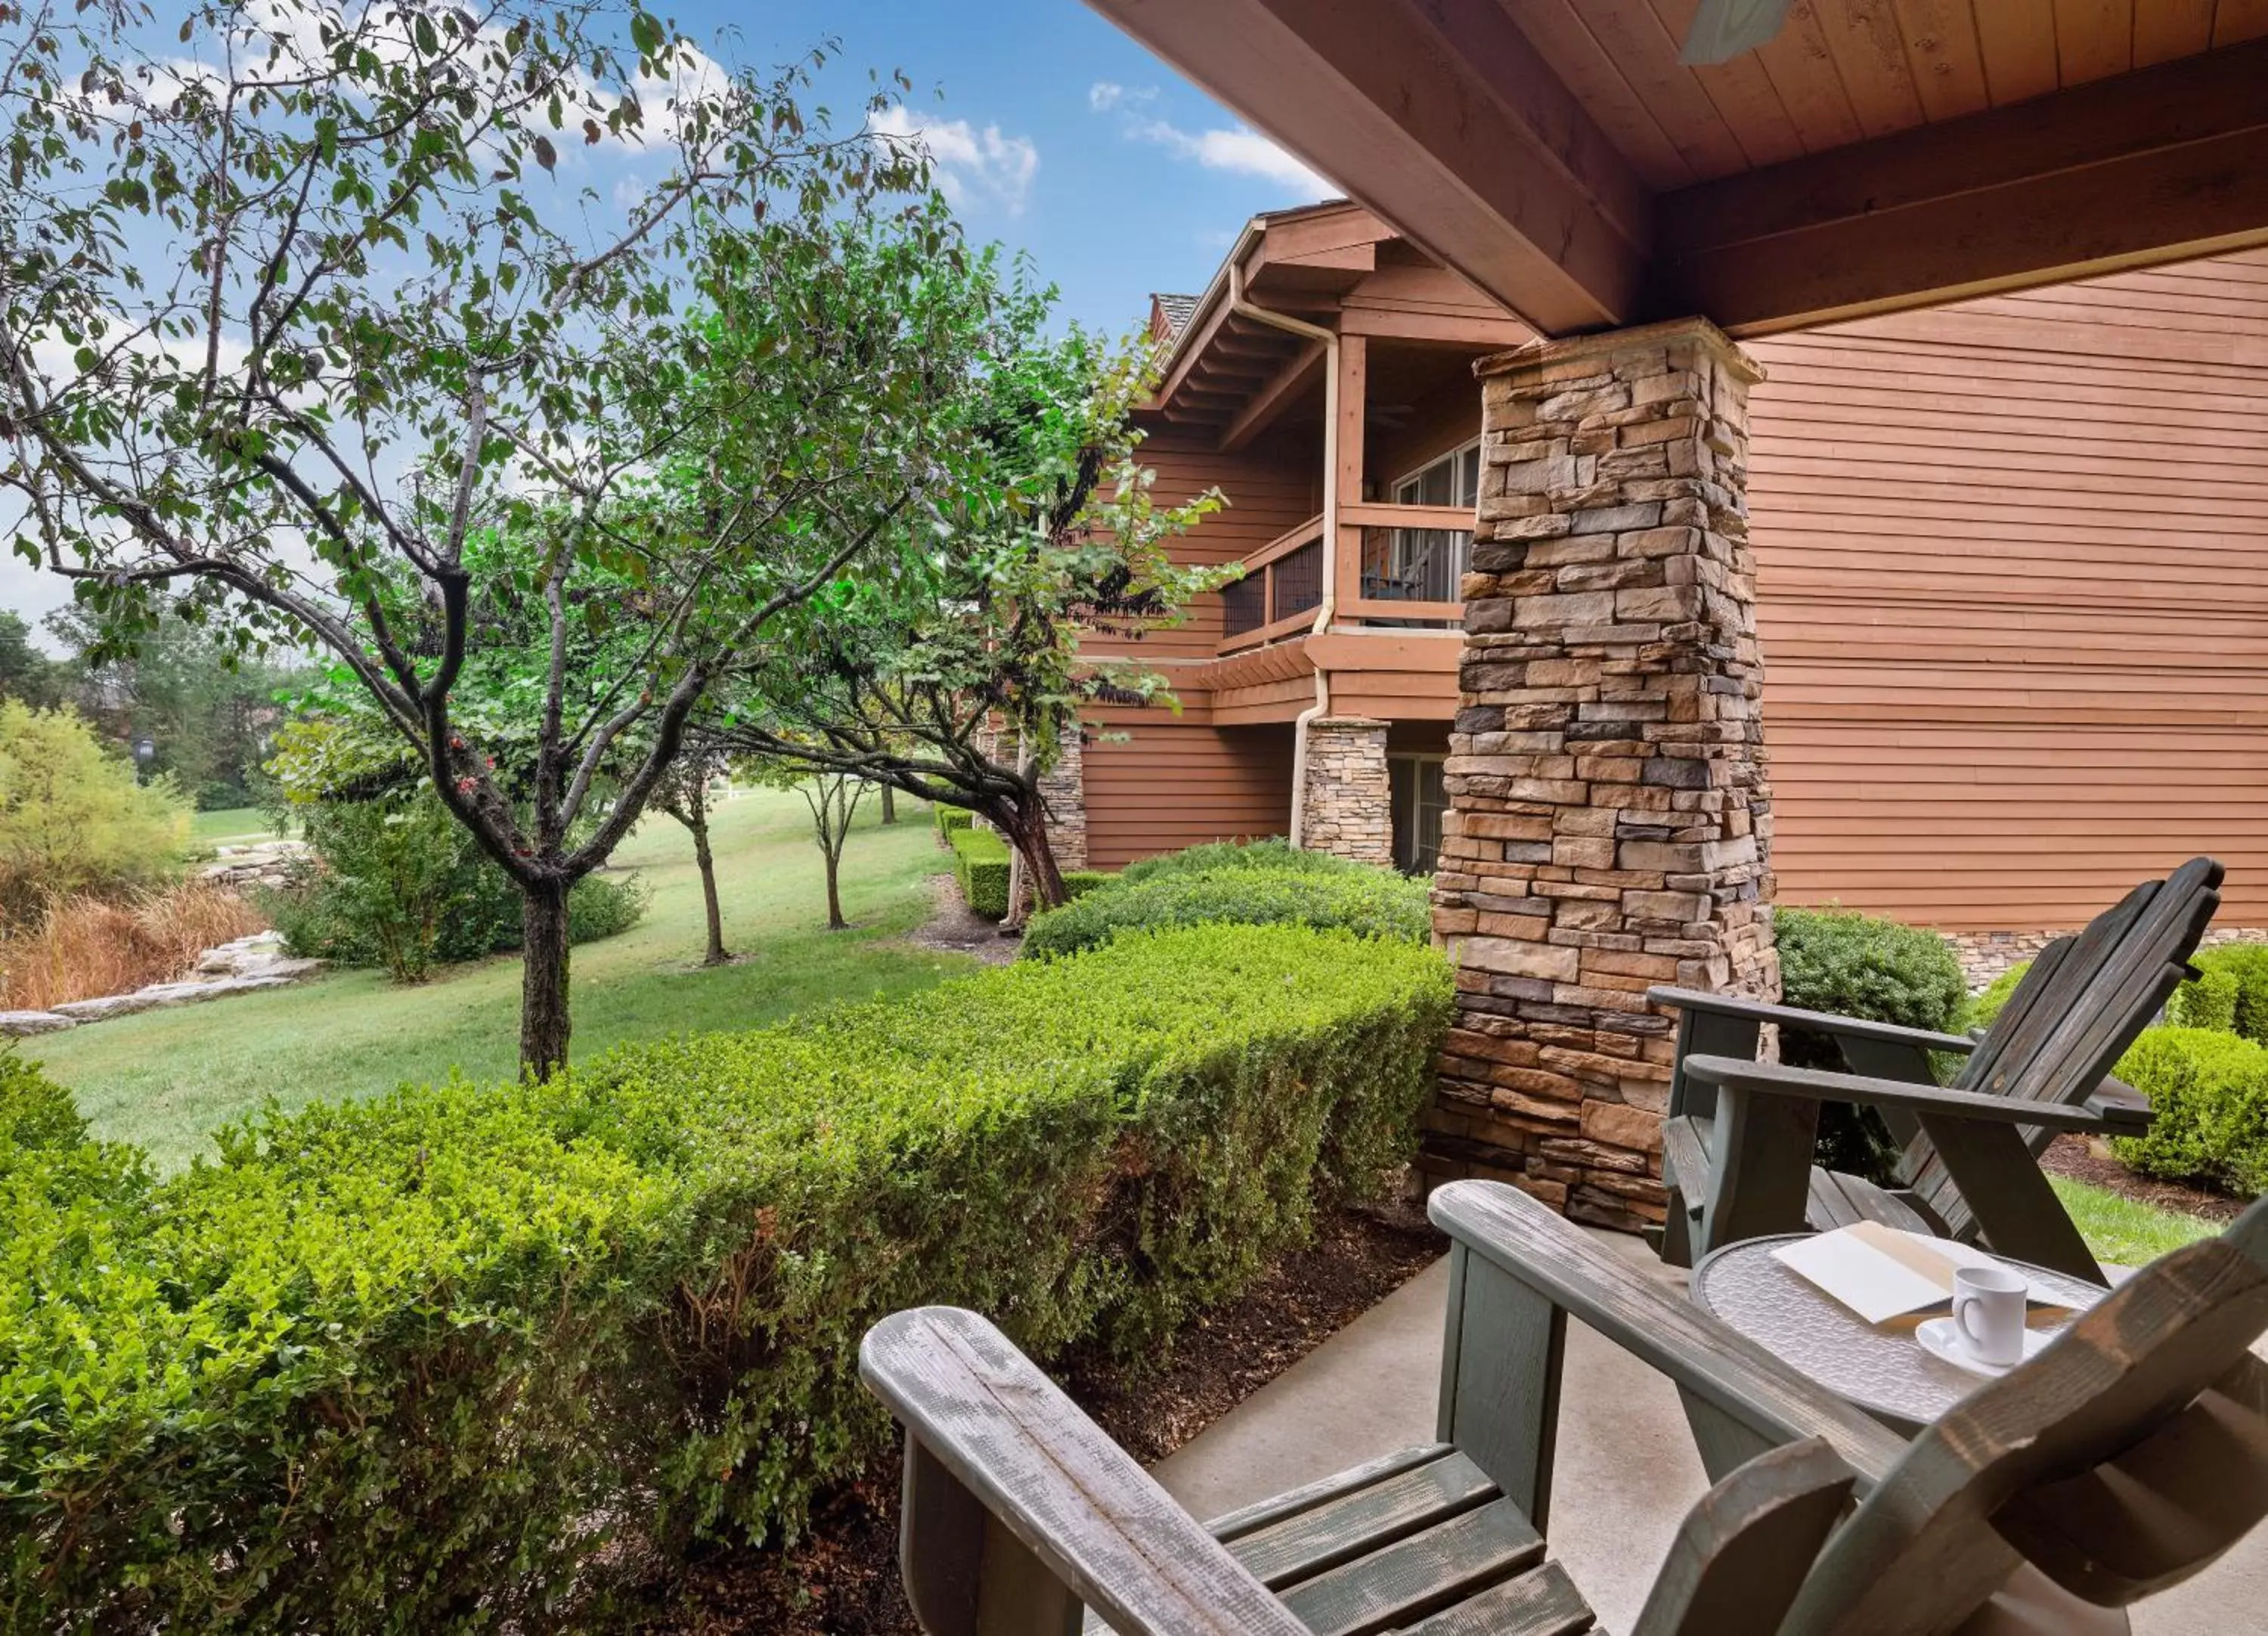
{"x": 1064, "y": 788}
{"x": 1347, "y": 808}
{"x": 1611, "y": 820}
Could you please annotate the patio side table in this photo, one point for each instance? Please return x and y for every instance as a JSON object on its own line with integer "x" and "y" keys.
{"x": 1882, "y": 1369}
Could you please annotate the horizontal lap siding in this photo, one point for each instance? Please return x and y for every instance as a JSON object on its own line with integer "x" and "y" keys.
{"x": 1169, "y": 784}
{"x": 1266, "y": 498}
{"x": 2012, "y": 588}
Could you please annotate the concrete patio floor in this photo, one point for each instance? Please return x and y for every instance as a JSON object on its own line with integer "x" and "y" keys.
{"x": 1626, "y": 1472}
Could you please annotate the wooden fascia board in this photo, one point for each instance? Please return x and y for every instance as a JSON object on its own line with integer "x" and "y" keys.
{"x": 1456, "y": 328}
{"x": 2165, "y": 164}
{"x": 1260, "y": 412}
{"x": 1445, "y": 121}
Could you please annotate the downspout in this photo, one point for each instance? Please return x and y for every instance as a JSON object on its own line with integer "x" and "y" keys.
{"x": 1329, "y": 542}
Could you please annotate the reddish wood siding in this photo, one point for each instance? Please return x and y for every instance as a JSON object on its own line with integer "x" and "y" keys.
{"x": 1176, "y": 783}
{"x": 2013, "y": 563}
{"x": 1269, "y": 489}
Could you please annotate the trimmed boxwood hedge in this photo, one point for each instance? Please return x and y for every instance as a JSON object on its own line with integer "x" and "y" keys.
{"x": 1262, "y": 884}
{"x": 980, "y": 864}
{"x": 438, "y": 1358}
{"x": 2208, "y": 1090}
{"x": 949, "y": 819}
{"x": 1855, "y": 965}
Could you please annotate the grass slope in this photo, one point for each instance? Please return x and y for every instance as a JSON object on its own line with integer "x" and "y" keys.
{"x": 236, "y": 826}
{"x": 164, "y": 1080}
{"x": 2124, "y": 1231}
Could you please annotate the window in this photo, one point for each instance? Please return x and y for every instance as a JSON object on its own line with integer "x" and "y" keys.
{"x": 1419, "y": 801}
{"x": 1425, "y": 564}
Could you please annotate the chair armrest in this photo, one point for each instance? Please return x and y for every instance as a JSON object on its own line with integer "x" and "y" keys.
{"x": 2120, "y": 1105}
{"x": 1813, "y": 1021}
{"x": 1702, "y": 1355}
{"x": 1815, "y": 1084}
{"x": 1076, "y": 1501}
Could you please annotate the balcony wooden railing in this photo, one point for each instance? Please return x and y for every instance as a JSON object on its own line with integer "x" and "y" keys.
{"x": 1282, "y": 587}
{"x": 1283, "y": 584}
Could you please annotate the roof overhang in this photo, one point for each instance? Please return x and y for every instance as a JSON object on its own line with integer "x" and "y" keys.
{"x": 1528, "y": 145}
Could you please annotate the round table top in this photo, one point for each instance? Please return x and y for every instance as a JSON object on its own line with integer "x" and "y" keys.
{"x": 1881, "y": 1368}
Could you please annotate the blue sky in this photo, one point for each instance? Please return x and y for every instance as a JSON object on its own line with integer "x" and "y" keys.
{"x": 1053, "y": 133}
{"x": 1056, "y": 134}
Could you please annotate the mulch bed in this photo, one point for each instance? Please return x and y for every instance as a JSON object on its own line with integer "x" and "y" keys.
{"x": 2074, "y": 1156}
{"x": 953, "y": 926}
{"x": 843, "y": 1580}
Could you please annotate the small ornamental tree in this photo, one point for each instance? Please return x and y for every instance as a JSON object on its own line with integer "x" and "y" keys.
{"x": 683, "y": 793}
{"x": 958, "y": 677}
{"x": 297, "y": 310}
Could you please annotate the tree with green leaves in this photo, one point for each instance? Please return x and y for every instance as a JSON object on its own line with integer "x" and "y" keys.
{"x": 957, "y": 676}
{"x": 683, "y": 793}
{"x": 27, "y": 675}
{"x": 296, "y": 313}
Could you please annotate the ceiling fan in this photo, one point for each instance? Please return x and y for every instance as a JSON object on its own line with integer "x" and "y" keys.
{"x": 1722, "y": 29}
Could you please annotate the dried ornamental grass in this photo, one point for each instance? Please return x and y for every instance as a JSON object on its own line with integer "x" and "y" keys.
{"x": 83, "y": 946}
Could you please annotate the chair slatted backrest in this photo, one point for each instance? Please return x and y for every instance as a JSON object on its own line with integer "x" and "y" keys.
{"x": 2066, "y": 1026}
{"x": 2129, "y": 1454}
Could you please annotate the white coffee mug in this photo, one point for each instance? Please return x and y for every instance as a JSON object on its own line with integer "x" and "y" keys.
{"x": 1988, "y": 1309}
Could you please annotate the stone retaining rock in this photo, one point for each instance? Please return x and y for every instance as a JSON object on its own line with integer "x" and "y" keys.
{"x": 241, "y": 967}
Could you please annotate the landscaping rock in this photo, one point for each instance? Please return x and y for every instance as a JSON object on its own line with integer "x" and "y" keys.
{"x": 266, "y": 863}
{"x": 23, "y": 1024}
{"x": 241, "y": 967}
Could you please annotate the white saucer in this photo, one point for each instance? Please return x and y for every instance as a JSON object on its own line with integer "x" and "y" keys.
{"x": 1940, "y": 1338}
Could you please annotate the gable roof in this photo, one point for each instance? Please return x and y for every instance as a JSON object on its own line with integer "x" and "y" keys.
{"x": 1170, "y": 315}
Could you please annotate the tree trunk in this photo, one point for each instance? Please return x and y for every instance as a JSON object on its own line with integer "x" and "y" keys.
{"x": 543, "y": 1021}
{"x": 716, "y": 957}
{"x": 889, "y": 805}
{"x": 835, "y": 920}
{"x": 1028, "y": 835}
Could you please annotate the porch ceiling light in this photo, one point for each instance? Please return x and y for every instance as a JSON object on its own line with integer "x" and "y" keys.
{"x": 1722, "y": 29}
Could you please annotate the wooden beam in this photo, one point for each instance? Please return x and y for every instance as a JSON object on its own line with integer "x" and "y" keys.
{"x": 2161, "y": 165}
{"x": 1269, "y": 401}
{"x": 1445, "y": 121}
{"x": 1344, "y": 449}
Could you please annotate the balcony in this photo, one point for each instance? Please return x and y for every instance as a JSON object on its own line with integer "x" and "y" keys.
{"x": 1399, "y": 567}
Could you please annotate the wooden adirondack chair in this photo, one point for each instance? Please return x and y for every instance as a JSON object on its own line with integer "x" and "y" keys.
{"x": 1737, "y": 1146}
{"x": 2128, "y": 1454}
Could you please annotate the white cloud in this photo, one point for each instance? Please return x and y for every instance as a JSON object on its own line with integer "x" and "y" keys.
{"x": 969, "y": 164}
{"x": 1234, "y": 148}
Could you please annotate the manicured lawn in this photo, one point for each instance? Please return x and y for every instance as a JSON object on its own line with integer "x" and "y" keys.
{"x": 2123, "y": 1231}
{"x": 234, "y": 825}
{"x": 164, "y": 1080}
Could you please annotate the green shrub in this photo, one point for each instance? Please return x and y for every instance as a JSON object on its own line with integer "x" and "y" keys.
{"x": 600, "y": 906}
{"x": 1275, "y": 856}
{"x": 950, "y": 819}
{"x": 74, "y": 819}
{"x": 2209, "y": 1091}
{"x": 438, "y": 1358}
{"x": 1985, "y": 1009}
{"x": 1856, "y": 965}
{"x": 399, "y": 883}
{"x": 1078, "y": 882}
{"x": 2230, "y": 993}
{"x": 980, "y": 864}
{"x": 1262, "y": 884}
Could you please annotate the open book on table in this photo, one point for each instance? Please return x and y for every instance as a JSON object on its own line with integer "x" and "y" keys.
{"x": 1882, "y": 1272}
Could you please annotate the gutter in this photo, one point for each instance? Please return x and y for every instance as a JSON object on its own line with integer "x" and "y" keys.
{"x": 1328, "y": 607}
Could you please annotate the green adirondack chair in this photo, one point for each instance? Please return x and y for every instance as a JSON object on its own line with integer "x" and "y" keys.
{"x": 1737, "y": 1146}
{"x": 2128, "y": 1454}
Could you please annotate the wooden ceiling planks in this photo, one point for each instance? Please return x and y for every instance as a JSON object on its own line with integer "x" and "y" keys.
{"x": 2237, "y": 20}
{"x": 1742, "y": 93}
{"x": 2166, "y": 29}
{"x": 1575, "y": 55}
{"x": 2094, "y": 38}
{"x": 1802, "y": 71}
{"x": 1947, "y": 63}
{"x": 2017, "y": 40}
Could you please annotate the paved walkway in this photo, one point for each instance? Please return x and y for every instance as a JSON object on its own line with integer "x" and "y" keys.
{"x": 1626, "y": 1471}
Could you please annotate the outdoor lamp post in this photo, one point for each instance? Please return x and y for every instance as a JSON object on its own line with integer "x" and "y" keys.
{"x": 145, "y": 751}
